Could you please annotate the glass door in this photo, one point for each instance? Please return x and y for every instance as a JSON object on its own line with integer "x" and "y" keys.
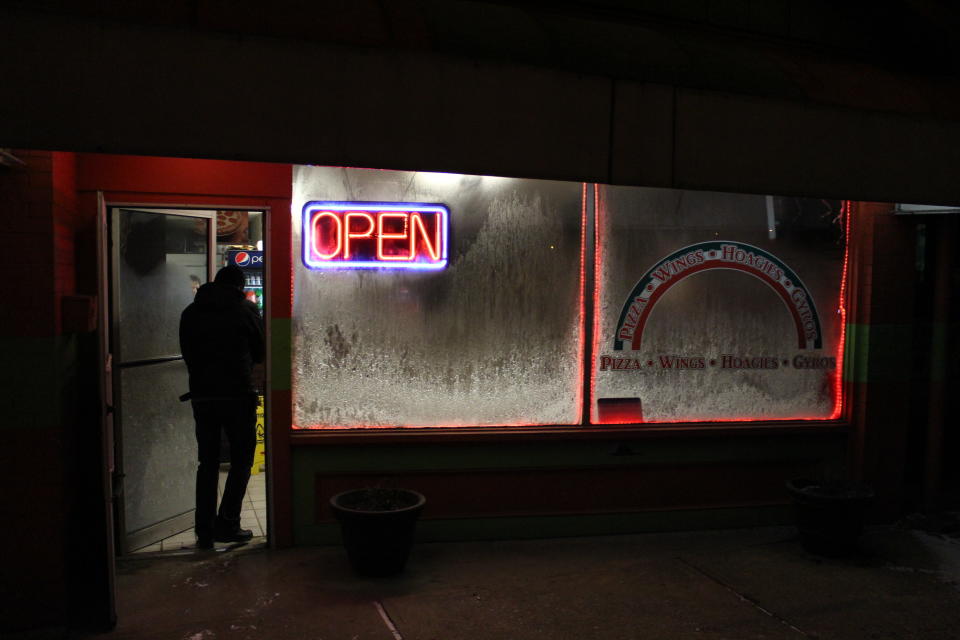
{"x": 158, "y": 260}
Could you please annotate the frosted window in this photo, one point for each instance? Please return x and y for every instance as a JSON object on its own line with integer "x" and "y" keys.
{"x": 492, "y": 339}
{"x": 160, "y": 260}
{"x": 159, "y": 447}
{"x": 722, "y": 332}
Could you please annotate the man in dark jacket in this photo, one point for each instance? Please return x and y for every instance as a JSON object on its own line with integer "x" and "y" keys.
{"x": 221, "y": 338}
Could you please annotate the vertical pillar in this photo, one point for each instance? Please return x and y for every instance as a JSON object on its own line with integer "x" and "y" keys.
{"x": 32, "y": 452}
{"x": 280, "y": 273}
{"x": 944, "y": 233}
{"x": 881, "y": 346}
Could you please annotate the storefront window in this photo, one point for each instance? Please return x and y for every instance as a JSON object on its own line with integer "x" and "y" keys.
{"x": 437, "y": 300}
{"x": 488, "y": 335}
{"x": 716, "y": 307}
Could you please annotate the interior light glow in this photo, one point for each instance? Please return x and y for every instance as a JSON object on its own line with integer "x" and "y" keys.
{"x": 374, "y": 235}
{"x": 496, "y": 181}
{"x": 437, "y": 179}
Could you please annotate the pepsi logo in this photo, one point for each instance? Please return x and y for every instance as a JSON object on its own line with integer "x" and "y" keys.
{"x": 242, "y": 259}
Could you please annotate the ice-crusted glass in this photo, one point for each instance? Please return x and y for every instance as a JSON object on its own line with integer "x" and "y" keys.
{"x": 720, "y": 343}
{"x": 157, "y": 255}
{"x": 492, "y": 339}
{"x": 159, "y": 447}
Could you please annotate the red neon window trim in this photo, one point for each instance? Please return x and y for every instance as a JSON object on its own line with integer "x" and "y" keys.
{"x": 847, "y": 211}
{"x": 582, "y": 323}
{"x": 597, "y": 275}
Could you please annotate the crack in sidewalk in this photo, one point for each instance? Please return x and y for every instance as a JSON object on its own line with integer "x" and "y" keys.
{"x": 387, "y": 620}
{"x": 745, "y": 598}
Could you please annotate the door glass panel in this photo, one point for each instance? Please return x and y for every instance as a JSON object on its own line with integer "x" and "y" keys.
{"x": 160, "y": 260}
{"x": 159, "y": 447}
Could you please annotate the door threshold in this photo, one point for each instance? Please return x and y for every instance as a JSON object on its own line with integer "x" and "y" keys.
{"x": 191, "y": 551}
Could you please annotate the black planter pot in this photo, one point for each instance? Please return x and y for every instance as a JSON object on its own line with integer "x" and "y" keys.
{"x": 830, "y": 515}
{"x": 377, "y": 527}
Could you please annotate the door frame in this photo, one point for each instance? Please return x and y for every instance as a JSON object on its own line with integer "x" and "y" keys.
{"x": 107, "y": 307}
{"x": 106, "y": 406}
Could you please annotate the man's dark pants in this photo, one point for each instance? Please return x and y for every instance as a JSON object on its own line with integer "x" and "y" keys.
{"x": 238, "y": 419}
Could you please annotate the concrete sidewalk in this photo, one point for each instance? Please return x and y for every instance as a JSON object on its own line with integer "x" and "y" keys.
{"x": 755, "y": 583}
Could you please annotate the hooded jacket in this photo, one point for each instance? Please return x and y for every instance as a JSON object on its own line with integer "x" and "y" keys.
{"x": 221, "y": 338}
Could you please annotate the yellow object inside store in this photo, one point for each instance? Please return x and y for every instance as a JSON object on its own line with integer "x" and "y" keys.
{"x": 259, "y": 457}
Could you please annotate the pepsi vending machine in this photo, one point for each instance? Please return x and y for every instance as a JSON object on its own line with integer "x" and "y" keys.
{"x": 252, "y": 264}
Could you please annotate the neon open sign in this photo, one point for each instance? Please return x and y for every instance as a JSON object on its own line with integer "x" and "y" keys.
{"x": 375, "y": 235}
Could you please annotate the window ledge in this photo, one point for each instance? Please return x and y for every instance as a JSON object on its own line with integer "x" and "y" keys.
{"x": 307, "y": 437}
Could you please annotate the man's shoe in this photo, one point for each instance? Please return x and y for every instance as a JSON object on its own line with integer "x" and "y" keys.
{"x": 205, "y": 543}
{"x": 233, "y": 535}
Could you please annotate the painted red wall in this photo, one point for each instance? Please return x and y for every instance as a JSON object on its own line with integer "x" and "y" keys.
{"x": 146, "y": 175}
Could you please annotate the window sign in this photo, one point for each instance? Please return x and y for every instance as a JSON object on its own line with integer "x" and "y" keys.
{"x": 717, "y": 307}
{"x": 245, "y": 259}
{"x": 719, "y": 255}
{"x": 367, "y": 235}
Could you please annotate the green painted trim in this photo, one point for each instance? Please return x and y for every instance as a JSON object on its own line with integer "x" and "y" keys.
{"x": 303, "y": 477}
{"x": 281, "y": 352}
{"x": 856, "y": 353}
{"x": 878, "y": 352}
{"x": 574, "y": 525}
